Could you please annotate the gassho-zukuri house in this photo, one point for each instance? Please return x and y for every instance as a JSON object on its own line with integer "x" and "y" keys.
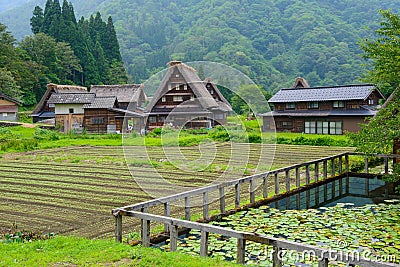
{"x": 183, "y": 100}
{"x": 321, "y": 110}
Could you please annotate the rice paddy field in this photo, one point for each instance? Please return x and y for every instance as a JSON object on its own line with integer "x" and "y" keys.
{"x": 73, "y": 190}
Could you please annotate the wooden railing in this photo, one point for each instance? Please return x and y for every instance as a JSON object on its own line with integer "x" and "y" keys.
{"x": 331, "y": 167}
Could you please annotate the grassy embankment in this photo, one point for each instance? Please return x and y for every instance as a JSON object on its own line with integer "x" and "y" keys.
{"x": 73, "y": 251}
{"x": 19, "y": 138}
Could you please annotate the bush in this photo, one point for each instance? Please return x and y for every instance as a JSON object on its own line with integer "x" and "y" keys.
{"x": 44, "y": 134}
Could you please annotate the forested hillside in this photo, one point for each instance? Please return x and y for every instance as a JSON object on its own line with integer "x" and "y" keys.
{"x": 272, "y": 41}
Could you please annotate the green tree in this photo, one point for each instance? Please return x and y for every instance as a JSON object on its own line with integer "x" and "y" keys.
{"x": 384, "y": 53}
{"x": 37, "y": 20}
{"x": 8, "y": 85}
{"x": 250, "y": 99}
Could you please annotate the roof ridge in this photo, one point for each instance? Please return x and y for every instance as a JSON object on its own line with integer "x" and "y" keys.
{"x": 324, "y": 87}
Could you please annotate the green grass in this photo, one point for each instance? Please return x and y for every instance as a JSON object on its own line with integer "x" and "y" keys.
{"x": 19, "y": 138}
{"x": 71, "y": 251}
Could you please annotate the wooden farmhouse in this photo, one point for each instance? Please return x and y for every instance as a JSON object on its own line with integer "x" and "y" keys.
{"x": 107, "y": 116}
{"x": 104, "y": 115}
{"x": 69, "y": 110}
{"x": 184, "y": 100}
{"x": 106, "y": 109}
{"x": 8, "y": 108}
{"x": 321, "y": 110}
{"x": 46, "y": 111}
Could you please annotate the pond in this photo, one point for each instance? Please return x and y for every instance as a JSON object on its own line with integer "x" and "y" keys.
{"x": 349, "y": 214}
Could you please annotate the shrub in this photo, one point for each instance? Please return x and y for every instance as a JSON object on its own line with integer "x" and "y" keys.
{"x": 44, "y": 134}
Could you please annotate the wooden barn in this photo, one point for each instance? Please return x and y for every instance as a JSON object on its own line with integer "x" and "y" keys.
{"x": 103, "y": 115}
{"x": 68, "y": 108}
{"x": 321, "y": 110}
{"x": 183, "y": 100}
{"x": 8, "y": 108}
{"x": 45, "y": 110}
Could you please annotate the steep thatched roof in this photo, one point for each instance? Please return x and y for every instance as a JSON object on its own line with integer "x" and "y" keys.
{"x": 300, "y": 83}
{"x": 191, "y": 78}
{"x": 125, "y": 93}
{"x": 56, "y": 88}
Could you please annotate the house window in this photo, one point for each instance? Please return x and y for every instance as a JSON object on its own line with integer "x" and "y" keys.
{"x": 338, "y": 104}
{"x": 163, "y": 99}
{"x": 5, "y": 114}
{"x": 309, "y": 127}
{"x": 152, "y": 119}
{"x": 313, "y": 104}
{"x": 219, "y": 116}
{"x": 191, "y": 97}
{"x": 323, "y": 127}
{"x": 177, "y": 75}
{"x": 319, "y": 127}
{"x": 290, "y": 105}
{"x": 71, "y": 110}
{"x": 169, "y": 86}
{"x": 335, "y": 127}
{"x": 161, "y": 119}
{"x": 287, "y": 124}
{"x": 185, "y": 87}
{"x": 352, "y": 106}
{"x": 52, "y": 106}
{"x": 177, "y": 98}
{"x": 96, "y": 120}
{"x": 177, "y": 87}
{"x": 370, "y": 101}
{"x": 211, "y": 91}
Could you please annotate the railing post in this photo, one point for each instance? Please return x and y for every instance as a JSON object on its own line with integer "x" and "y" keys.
{"x": 237, "y": 195}
{"x": 187, "y": 208}
{"x": 145, "y": 233}
{"x": 252, "y": 191}
{"x": 287, "y": 173}
{"x": 222, "y": 199}
{"x": 325, "y": 167}
{"x": 205, "y": 206}
{"x": 167, "y": 213}
{"x": 323, "y": 262}
{"x": 241, "y": 249}
{"x": 276, "y": 178}
{"x": 173, "y": 237}
{"x": 316, "y": 172}
{"x": 308, "y": 174}
{"x": 297, "y": 177}
{"x": 265, "y": 187}
{"x": 118, "y": 228}
{"x": 276, "y": 254}
{"x": 386, "y": 165}
{"x": 366, "y": 164}
{"x": 204, "y": 244}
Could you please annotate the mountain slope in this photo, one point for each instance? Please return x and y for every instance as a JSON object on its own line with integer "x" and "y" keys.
{"x": 272, "y": 41}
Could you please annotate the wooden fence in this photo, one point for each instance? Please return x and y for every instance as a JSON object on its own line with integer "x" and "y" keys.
{"x": 313, "y": 172}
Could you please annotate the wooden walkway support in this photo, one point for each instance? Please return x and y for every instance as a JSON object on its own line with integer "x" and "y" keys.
{"x": 267, "y": 180}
